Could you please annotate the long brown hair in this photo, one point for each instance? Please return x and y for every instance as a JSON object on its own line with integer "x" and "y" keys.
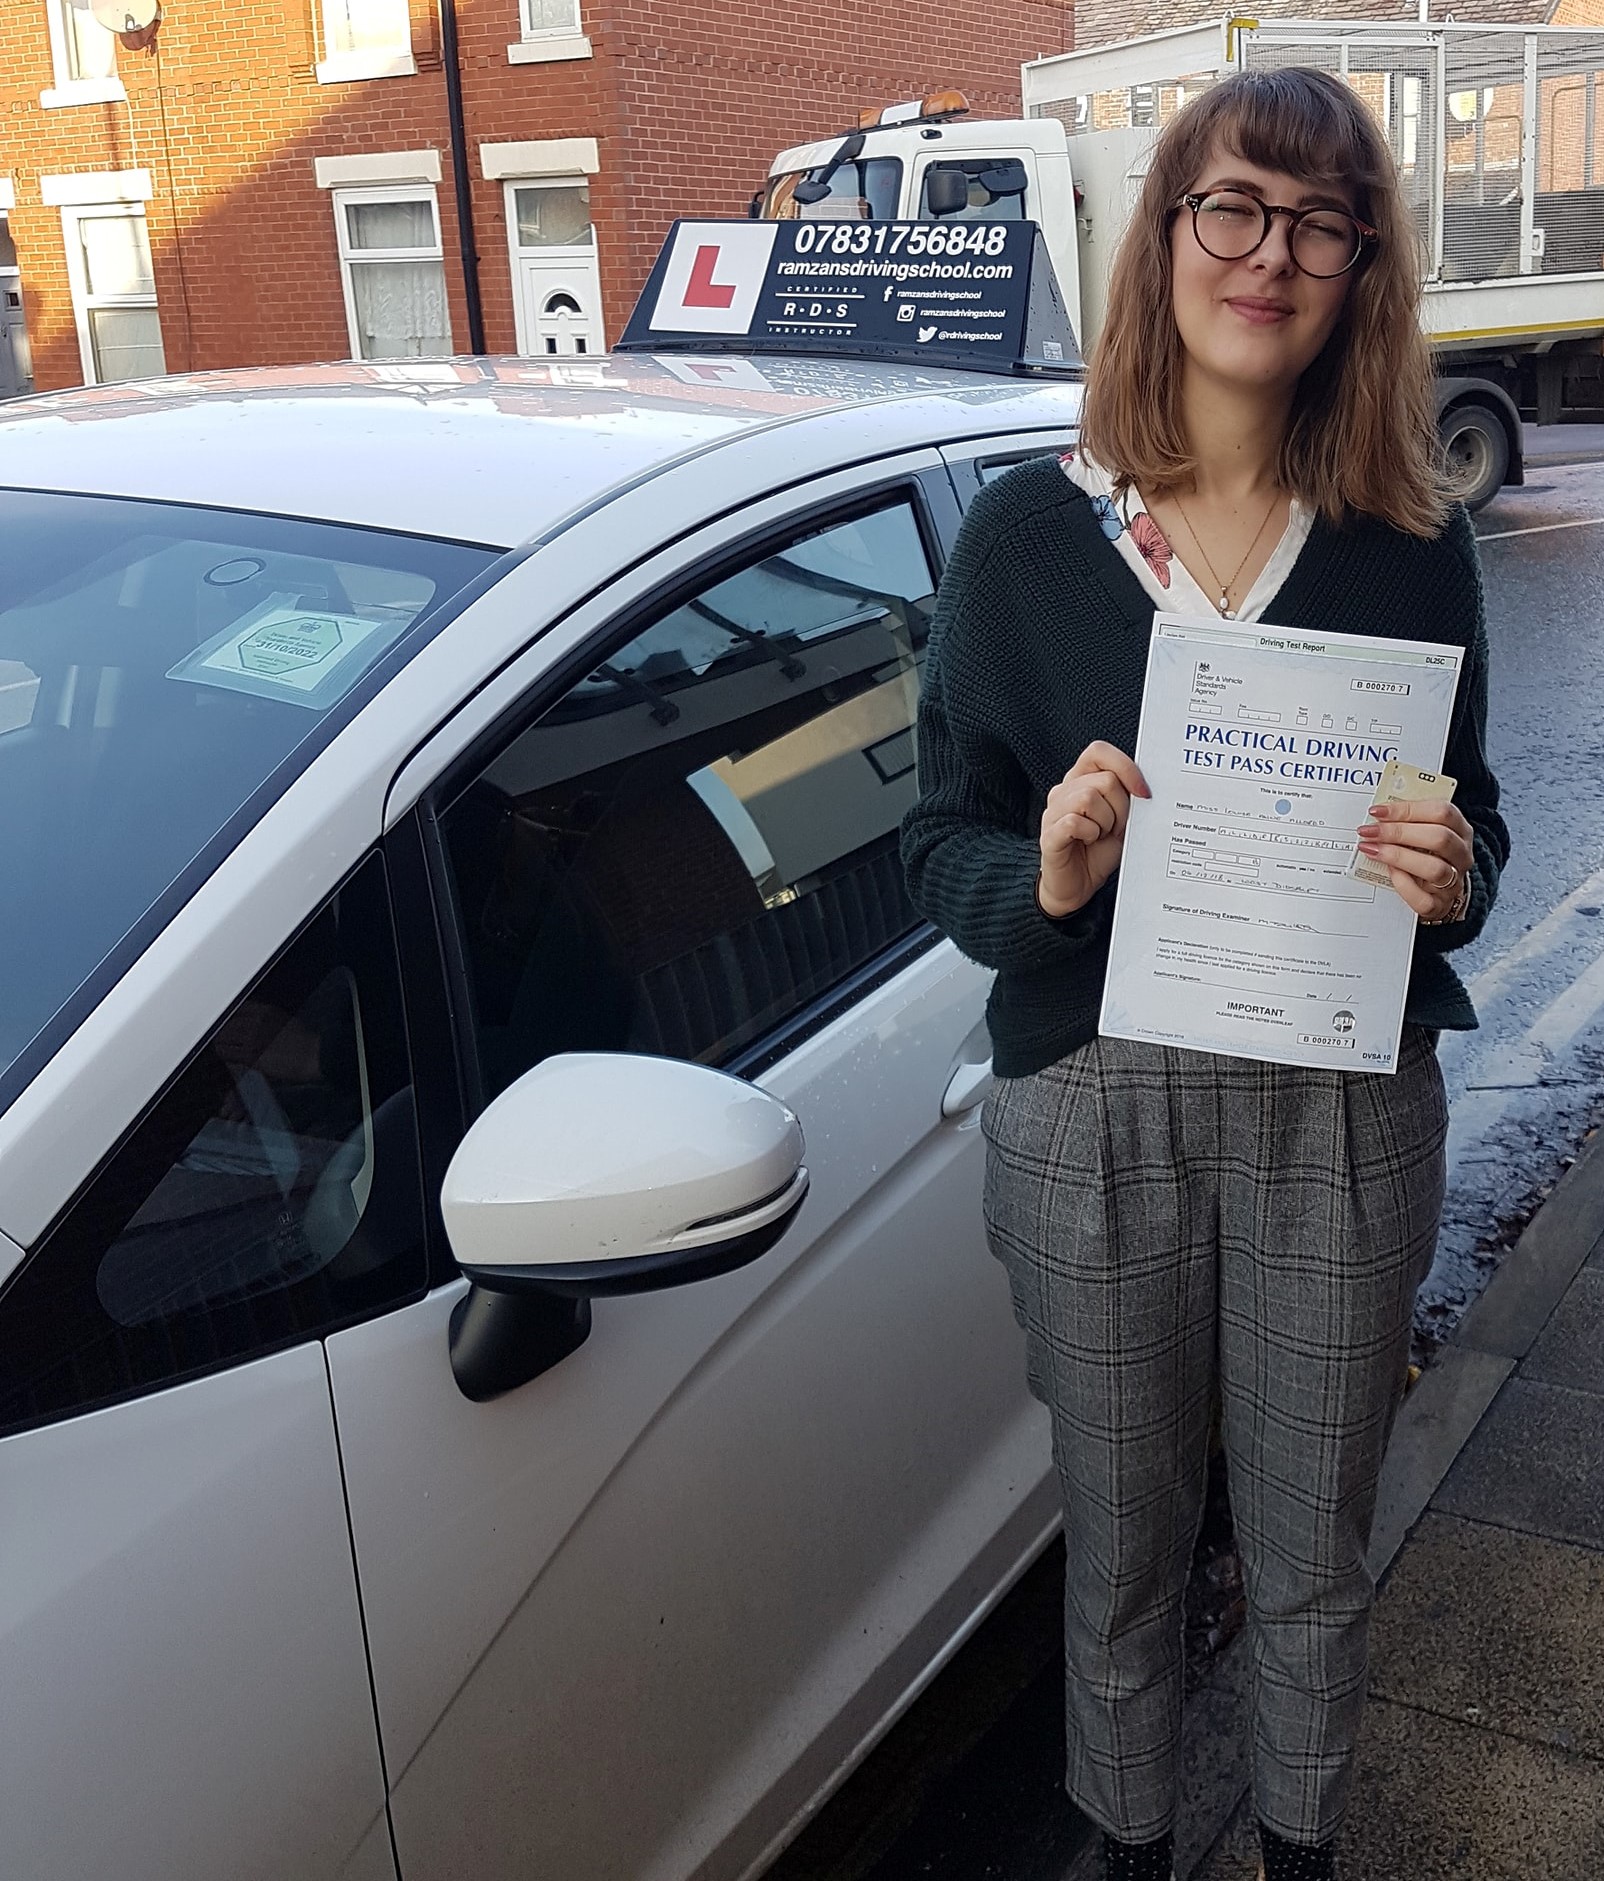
{"x": 1362, "y": 435}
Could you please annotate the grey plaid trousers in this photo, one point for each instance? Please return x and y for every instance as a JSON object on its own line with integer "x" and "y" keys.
{"x": 1173, "y": 1223}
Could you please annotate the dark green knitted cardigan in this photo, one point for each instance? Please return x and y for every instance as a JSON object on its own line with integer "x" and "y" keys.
{"x": 1039, "y": 646}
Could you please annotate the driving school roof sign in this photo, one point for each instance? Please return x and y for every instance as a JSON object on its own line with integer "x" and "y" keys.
{"x": 976, "y": 294}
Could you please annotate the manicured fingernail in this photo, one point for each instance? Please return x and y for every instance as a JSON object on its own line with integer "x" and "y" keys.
{"x": 1378, "y": 809}
{"x": 1369, "y": 829}
{"x": 1370, "y": 849}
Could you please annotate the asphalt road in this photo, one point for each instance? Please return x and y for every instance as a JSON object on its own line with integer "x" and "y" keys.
{"x": 1528, "y": 1085}
{"x": 967, "y": 1788}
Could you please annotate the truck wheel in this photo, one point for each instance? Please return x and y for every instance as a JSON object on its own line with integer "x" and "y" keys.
{"x": 1477, "y": 449}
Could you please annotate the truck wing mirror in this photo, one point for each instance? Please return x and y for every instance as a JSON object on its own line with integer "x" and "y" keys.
{"x": 946, "y": 191}
{"x": 1004, "y": 179}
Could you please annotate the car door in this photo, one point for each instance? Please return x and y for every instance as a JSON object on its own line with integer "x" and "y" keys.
{"x": 181, "y": 1651}
{"x": 634, "y": 1617}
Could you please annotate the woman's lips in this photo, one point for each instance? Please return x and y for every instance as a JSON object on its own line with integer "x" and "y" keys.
{"x": 1260, "y": 313}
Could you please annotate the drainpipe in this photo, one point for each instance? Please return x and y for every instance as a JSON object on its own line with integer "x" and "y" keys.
{"x": 452, "y": 67}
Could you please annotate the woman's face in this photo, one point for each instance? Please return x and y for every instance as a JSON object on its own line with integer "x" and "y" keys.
{"x": 1259, "y": 322}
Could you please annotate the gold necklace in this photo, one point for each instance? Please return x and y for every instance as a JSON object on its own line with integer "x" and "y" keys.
{"x": 1225, "y": 586}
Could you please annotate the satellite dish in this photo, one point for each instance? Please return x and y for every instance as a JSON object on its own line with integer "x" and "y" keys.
{"x": 125, "y": 16}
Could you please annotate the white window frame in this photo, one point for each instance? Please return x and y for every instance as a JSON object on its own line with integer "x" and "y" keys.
{"x": 342, "y": 68}
{"x": 83, "y": 302}
{"x": 398, "y": 192}
{"x": 68, "y": 90}
{"x": 544, "y": 45}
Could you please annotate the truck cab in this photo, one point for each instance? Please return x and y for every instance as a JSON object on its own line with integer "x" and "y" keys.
{"x": 927, "y": 161}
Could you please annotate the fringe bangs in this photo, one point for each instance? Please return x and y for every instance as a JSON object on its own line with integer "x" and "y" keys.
{"x": 1363, "y": 434}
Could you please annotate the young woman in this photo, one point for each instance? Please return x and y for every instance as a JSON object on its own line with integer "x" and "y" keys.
{"x": 1258, "y": 442}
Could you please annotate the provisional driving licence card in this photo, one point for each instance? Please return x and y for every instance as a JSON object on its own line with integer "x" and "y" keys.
{"x": 1400, "y": 783}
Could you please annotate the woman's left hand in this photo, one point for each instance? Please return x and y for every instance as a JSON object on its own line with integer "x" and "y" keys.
{"x": 1427, "y": 851}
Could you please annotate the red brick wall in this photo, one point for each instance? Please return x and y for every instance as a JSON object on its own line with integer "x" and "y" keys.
{"x": 688, "y": 102}
{"x": 704, "y": 92}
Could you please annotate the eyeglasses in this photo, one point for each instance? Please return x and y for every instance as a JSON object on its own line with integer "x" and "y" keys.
{"x": 1323, "y": 242}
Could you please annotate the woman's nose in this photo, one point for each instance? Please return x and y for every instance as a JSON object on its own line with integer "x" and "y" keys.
{"x": 1275, "y": 251}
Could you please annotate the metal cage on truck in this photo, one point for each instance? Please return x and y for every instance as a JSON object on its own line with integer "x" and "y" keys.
{"x": 1498, "y": 133}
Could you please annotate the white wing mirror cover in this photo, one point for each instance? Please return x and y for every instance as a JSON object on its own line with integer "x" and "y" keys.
{"x": 604, "y": 1172}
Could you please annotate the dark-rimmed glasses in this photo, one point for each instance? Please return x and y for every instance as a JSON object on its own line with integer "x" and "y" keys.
{"x": 1230, "y": 225}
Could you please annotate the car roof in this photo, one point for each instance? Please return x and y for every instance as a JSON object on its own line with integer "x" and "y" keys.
{"x": 493, "y": 451}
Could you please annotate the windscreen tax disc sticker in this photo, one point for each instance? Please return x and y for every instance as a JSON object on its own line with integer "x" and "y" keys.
{"x": 306, "y": 656}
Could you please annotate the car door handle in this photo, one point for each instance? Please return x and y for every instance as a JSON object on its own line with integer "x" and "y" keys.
{"x": 967, "y": 1087}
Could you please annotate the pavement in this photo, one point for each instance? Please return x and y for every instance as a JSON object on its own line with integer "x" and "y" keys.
{"x": 1563, "y": 444}
{"x": 1483, "y": 1750}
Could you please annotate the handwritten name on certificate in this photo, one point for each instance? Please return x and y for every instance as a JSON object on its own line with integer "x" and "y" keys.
{"x": 1237, "y": 927}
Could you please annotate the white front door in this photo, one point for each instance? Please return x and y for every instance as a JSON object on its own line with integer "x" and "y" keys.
{"x": 16, "y": 367}
{"x": 557, "y": 281}
{"x": 561, "y": 305}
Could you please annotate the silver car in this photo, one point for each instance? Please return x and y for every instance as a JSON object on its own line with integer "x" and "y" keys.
{"x": 450, "y": 1425}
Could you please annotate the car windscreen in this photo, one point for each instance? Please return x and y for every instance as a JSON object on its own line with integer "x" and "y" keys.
{"x": 165, "y": 673}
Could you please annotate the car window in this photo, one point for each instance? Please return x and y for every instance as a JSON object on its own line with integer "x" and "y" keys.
{"x": 272, "y": 1192}
{"x": 989, "y": 469}
{"x": 698, "y": 840}
{"x": 165, "y": 672}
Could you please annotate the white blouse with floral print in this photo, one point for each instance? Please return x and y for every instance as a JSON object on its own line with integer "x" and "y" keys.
{"x": 1163, "y": 575}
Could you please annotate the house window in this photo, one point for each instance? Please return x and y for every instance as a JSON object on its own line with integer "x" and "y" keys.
{"x": 365, "y": 39}
{"x": 113, "y": 292}
{"x": 553, "y": 215}
{"x": 394, "y": 273}
{"x": 550, "y": 16}
{"x": 548, "y": 30}
{"x": 84, "y": 56}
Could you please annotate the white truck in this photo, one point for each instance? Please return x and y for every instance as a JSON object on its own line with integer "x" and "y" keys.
{"x": 1499, "y": 138}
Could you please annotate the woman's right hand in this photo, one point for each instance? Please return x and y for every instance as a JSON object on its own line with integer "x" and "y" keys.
{"x": 1083, "y": 827}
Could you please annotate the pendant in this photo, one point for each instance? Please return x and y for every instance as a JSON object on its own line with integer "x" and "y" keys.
{"x": 1225, "y": 606}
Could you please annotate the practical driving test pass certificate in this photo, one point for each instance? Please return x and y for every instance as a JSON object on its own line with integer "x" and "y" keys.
{"x": 1238, "y": 927}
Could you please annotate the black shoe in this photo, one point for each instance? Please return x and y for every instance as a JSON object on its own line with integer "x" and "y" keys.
{"x": 1139, "y": 1861}
{"x": 1296, "y": 1861}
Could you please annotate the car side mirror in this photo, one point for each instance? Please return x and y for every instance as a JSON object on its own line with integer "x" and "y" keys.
{"x": 604, "y": 1173}
{"x": 946, "y": 191}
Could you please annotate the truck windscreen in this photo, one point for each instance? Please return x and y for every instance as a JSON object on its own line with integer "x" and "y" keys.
{"x": 867, "y": 189}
